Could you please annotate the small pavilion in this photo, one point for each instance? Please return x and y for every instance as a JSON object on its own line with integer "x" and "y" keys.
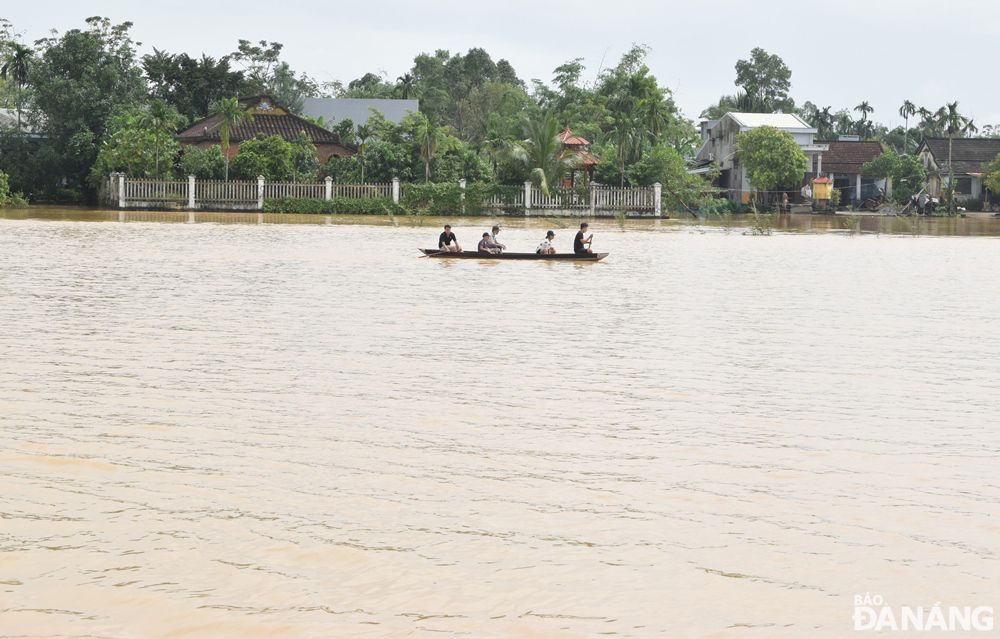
{"x": 582, "y": 161}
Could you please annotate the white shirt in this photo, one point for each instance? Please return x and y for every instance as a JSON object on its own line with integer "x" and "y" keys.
{"x": 544, "y": 245}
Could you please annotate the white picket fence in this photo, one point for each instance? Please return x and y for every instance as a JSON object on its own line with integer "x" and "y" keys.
{"x": 141, "y": 193}
{"x": 219, "y": 192}
{"x": 294, "y": 189}
{"x": 162, "y": 191}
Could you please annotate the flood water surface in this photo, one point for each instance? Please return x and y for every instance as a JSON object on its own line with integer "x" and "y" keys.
{"x": 308, "y": 431}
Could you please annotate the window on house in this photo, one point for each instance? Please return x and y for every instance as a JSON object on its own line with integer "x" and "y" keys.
{"x": 963, "y": 185}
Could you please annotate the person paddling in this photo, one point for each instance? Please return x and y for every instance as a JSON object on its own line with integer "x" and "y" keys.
{"x": 444, "y": 242}
{"x": 581, "y": 244}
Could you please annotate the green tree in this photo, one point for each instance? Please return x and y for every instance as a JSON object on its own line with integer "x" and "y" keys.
{"x": 905, "y": 173}
{"x": 766, "y": 79}
{"x": 991, "y": 174}
{"x": 541, "y": 152}
{"x": 133, "y": 147}
{"x": 190, "y": 84}
{"x": 953, "y": 123}
{"x": 231, "y": 114}
{"x": 771, "y": 157}
{"x": 429, "y": 137}
{"x": 207, "y": 164}
{"x": 163, "y": 121}
{"x": 267, "y": 156}
{"x": 304, "y": 161}
{"x": 259, "y": 61}
{"x": 906, "y": 111}
{"x": 364, "y": 133}
{"x": 9, "y": 199}
{"x": 83, "y": 79}
{"x": 681, "y": 189}
{"x": 15, "y": 68}
{"x": 626, "y": 137}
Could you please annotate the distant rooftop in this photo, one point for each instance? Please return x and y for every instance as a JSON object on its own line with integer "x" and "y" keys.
{"x": 8, "y": 120}
{"x": 777, "y": 120}
{"x": 333, "y": 110}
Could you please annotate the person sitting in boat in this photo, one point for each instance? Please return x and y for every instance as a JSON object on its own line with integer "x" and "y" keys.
{"x": 484, "y": 245}
{"x": 581, "y": 244}
{"x": 494, "y": 243}
{"x": 444, "y": 242}
{"x": 546, "y": 248}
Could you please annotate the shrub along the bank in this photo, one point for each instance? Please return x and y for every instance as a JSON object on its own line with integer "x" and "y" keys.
{"x": 420, "y": 199}
{"x": 335, "y": 206}
{"x": 446, "y": 199}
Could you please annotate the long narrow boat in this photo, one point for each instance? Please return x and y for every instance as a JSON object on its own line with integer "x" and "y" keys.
{"x": 476, "y": 255}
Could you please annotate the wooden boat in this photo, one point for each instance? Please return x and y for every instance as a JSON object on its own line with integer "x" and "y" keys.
{"x": 476, "y": 255}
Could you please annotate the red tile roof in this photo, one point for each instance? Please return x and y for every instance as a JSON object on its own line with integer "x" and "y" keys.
{"x": 568, "y": 139}
{"x": 286, "y": 126}
{"x": 848, "y": 156}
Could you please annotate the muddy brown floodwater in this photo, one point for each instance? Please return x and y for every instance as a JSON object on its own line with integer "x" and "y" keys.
{"x": 213, "y": 431}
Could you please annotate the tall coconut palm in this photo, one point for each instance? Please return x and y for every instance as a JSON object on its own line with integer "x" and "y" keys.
{"x": 230, "y": 115}
{"x": 162, "y": 120}
{"x": 864, "y": 109}
{"x": 953, "y": 122}
{"x": 15, "y": 68}
{"x": 864, "y": 127}
{"x": 541, "y": 152}
{"x": 428, "y": 137}
{"x": 364, "y": 133}
{"x": 906, "y": 111}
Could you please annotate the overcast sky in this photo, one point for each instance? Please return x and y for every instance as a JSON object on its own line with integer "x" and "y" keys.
{"x": 840, "y": 52}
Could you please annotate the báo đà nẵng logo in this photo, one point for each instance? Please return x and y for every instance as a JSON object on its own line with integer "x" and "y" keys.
{"x": 874, "y": 613}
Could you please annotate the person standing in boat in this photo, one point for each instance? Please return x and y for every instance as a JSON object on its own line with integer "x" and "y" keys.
{"x": 546, "y": 248}
{"x": 581, "y": 244}
{"x": 484, "y": 245}
{"x": 494, "y": 243}
{"x": 444, "y": 242}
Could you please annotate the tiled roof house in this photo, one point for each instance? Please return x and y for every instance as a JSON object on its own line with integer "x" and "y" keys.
{"x": 967, "y": 158}
{"x": 269, "y": 118}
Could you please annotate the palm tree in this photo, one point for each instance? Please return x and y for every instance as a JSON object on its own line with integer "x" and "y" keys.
{"x": 626, "y": 136}
{"x": 428, "y": 137}
{"x": 16, "y": 68}
{"x": 161, "y": 119}
{"x": 824, "y": 121}
{"x": 864, "y": 109}
{"x": 906, "y": 111}
{"x": 542, "y": 152}
{"x": 364, "y": 132}
{"x": 496, "y": 145}
{"x": 405, "y": 84}
{"x": 230, "y": 115}
{"x": 863, "y": 126}
{"x": 655, "y": 117}
{"x": 953, "y": 122}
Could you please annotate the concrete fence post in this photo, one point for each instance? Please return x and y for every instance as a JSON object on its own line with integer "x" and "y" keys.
{"x": 461, "y": 185}
{"x": 657, "y": 195}
{"x": 260, "y": 192}
{"x": 329, "y": 188}
{"x": 190, "y": 191}
{"x": 121, "y": 190}
{"x": 593, "y": 199}
{"x": 395, "y": 190}
{"x": 527, "y": 197}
